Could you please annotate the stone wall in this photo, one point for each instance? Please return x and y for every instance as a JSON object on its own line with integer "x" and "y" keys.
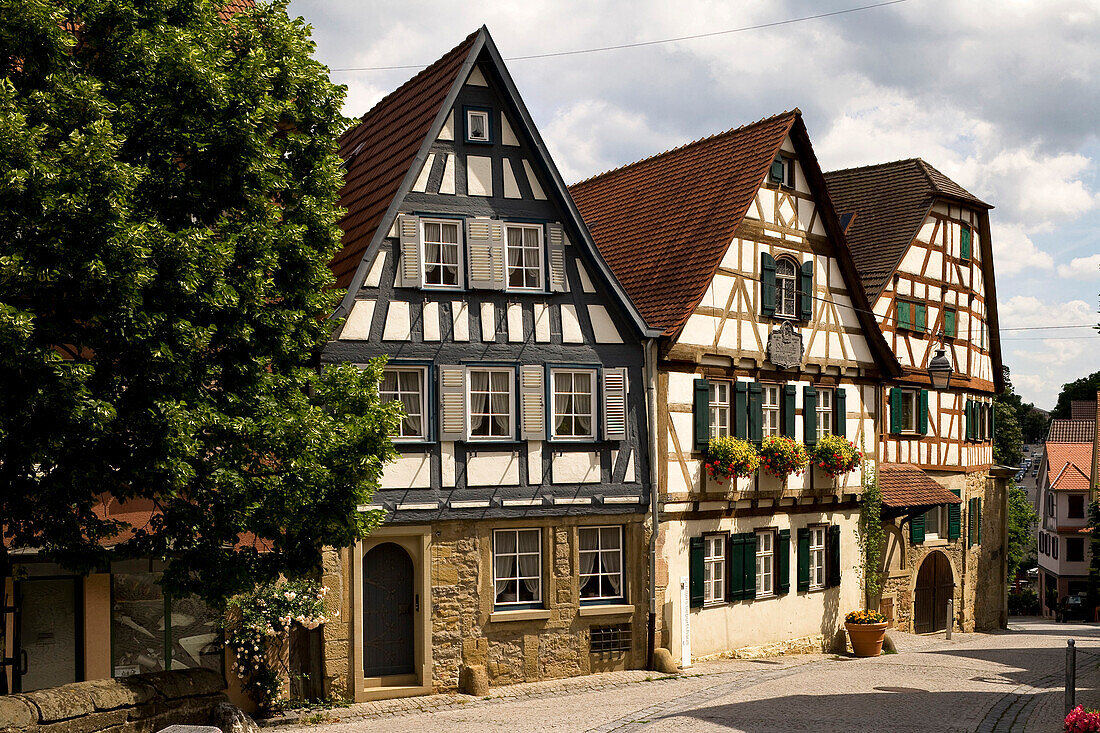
{"x": 143, "y": 703}
{"x": 338, "y": 630}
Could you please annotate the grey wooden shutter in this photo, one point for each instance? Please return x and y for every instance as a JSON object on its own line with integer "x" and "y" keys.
{"x": 803, "y": 559}
{"x": 532, "y": 401}
{"x": 923, "y": 427}
{"x": 916, "y": 529}
{"x": 452, "y": 403}
{"x": 833, "y": 556}
{"x": 806, "y": 291}
{"x": 614, "y": 404}
{"x": 701, "y": 414}
{"x": 756, "y": 412}
{"x": 748, "y": 565}
{"x": 695, "y": 572}
{"x": 485, "y": 247}
{"x": 840, "y": 419}
{"x": 790, "y": 393}
{"x": 555, "y": 247}
{"x": 408, "y": 230}
{"x": 809, "y": 414}
{"x": 783, "y": 563}
{"x": 767, "y": 284}
{"x": 740, "y": 410}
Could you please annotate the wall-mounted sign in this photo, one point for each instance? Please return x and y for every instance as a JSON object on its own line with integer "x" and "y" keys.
{"x": 785, "y": 348}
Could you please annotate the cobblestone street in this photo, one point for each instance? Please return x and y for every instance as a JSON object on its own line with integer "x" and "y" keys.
{"x": 976, "y": 682}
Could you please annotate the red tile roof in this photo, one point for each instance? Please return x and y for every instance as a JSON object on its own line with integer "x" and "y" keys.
{"x": 1071, "y": 431}
{"x": 903, "y": 485}
{"x": 1068, "y": 466}
{"x": 664, "y": 222}
{"x": 1082, "y": 409}
{"x": 232, "y": 7}
{"x": 379, "y": 151}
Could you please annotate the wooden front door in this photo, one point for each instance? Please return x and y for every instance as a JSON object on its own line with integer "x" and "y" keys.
{"x": 935, "y": 586}
{"x": 388, "y": 631}
{"x": 48, "y": 638}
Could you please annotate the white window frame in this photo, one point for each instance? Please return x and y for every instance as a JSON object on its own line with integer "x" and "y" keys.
{"x": 765, "y": 563}
{"x": 817, "y": 556}
{"x": 422, "y": 373}
{"x": 721, "y": 394}
{"x": 598, "y": 572}
{"x": 459, "y": 253}
{"x": 913, "y": 396}
{"x": 940, "y": 522}
{"x": 518, "y": 576}
{"x": 591, "y": 373}
{"x": 470, "y": 114}
{"x": 825, "y": 412}
{"x": 470, "y": 372}
{"x": 714, "y": 568}
{"x": 782, "y": 283}
{"x": 540, "y": 257}
{"x": 770, "y": 410}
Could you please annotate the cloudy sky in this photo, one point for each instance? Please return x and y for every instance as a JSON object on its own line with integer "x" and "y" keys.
{"x": 1001, "y": 95}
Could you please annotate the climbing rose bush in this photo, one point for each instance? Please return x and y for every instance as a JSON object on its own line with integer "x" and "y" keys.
{"x": 1080, "y": 720}
{"x": 781, "y": 456}
{"x": 731, "y": 457}
{"x": 836, "y": 455}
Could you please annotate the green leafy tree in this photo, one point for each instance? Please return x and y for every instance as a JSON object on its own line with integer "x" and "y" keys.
{"x": 1084, "y": 388}
{"x": 1034, "y": 425}
{"x": 1021, "y": 528}
{"x": 168, "y": 189}
{"x": 1093, "y": 593}
{"x": 1008, "y": 442}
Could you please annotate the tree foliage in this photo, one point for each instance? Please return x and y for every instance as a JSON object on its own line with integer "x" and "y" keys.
{"x": 1021, "y": 528}
{"x": 870, "y": 534}
{"x": 168, "y": 188}
{"x": 1008, "y": 410}
{"x": 1084, "y": 388}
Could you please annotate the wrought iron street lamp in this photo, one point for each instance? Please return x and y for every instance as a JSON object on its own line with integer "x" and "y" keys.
{"x": 939, "y": 369}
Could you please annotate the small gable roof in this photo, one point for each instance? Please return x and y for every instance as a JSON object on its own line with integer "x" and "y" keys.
{"x": 905, "y": 486}
{"x": 1068, "y": 466}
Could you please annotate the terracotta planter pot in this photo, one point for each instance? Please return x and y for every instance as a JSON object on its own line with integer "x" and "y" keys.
{"x": 866, "y": 638}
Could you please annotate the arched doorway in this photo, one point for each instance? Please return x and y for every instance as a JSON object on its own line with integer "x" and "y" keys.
{"x": 935, "y": 586}
{"x": 388, "y": 636}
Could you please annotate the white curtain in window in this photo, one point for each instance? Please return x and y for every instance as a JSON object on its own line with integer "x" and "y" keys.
{"x": 410, "y": 400}
{"x": 479, "y": 402}
{"x": 529, "y": 563}
{"x": 500, "y": 399}
{"x": 611, "y": 557}
{"x": 589, "y": 543}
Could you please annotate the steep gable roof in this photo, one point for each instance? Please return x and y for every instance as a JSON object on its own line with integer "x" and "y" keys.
{"x": 664, "y": 222}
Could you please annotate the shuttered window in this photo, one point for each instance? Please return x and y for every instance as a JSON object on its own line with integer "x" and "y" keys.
{"x": 714, "y": 575}
{"x": 786, "y": 288}
{"x": 770, "y": 409}
{"x": 824, "y": 412}
{"x": 574, "y": 401}
{"x": 524, "y": 255}
{"x": 407, "y": 386}
{"x": 964, "y": 243}
{"x": 720, "y": 393}
{"x": 815, "y": 550}
{"x": 765, "y": 563}
{"x": 490, "y": 395}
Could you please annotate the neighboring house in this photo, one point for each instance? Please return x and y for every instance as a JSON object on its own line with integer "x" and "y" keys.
{"x": 1065, "y": 490}
{"x": 729, "y": 245}
{"x": 922, "y": 246}
{"x": 514, "y": 541}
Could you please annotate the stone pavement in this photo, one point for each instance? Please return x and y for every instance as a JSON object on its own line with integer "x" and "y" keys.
{"x": 1006, "y": 681}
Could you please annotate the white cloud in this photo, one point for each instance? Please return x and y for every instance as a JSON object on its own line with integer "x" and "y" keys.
{"x": 1014, "y": 252}
{"x": 1081, "y": 268}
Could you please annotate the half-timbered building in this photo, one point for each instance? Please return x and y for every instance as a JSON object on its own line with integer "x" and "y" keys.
{"x": 922, "y": 246}
{"x": 513, "y": 542}
{"x": 730, "y": 246}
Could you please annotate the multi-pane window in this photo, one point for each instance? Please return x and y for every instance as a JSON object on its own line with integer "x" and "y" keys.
{"x": 714, "y": 568}
{"x": 517, "y": 566}
{"x": 786, "y": 288}
{"x": 490, "y": 403}
{"x": 824, "y": 412}
{"x": 909, "y": 410}
{"x": 770, "y": 405}
{"x": 524, "y": 245}
{"x": 406, "y": 385}
{"x": 441, "y": 253}
{"x": 817, "y": 557}
{"x": 932, "y": 522}
{"x": 601, "y": 558}
{"x": 765, "y": 558}
{"x": 574, "y": 403}
{"x": 477, "y": 126}
{"x": 720, "y": 409}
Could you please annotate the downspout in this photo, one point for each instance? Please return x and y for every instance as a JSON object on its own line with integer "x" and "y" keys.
{"x": 654, "y": 512}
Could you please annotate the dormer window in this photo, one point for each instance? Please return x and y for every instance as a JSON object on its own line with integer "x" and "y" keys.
{"x": 786, "y": 288}
{"x": 477, "y": 126}
{"x": 782, "y": 171}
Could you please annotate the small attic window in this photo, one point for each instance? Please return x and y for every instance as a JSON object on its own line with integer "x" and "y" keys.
{"x": 477, "y": 126}
{"x": 782, "y": 171}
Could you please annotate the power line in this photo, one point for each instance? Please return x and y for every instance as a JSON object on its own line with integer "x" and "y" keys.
{"x": 1055, "y": 338}
{"x": 1045, "y": 328}
{"x": 640, "y": 44}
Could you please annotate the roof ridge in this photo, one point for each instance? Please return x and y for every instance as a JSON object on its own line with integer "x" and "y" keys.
{"x": 707, "y": 138}
{"x": 853, "y": 169}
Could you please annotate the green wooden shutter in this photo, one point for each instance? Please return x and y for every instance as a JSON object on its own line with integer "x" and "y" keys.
{"x": 735, "y": 579}
{"x": 895, "y": 410}
{"x": 949, "y": 323}
{"x": 969, "y": 420}
{"x": 809, "y": 414}
{"x": 840, "y": 412}
{"x": 806, "y": 292}
{"x": 789, "y": 394}
{"x": 924, "y": 412}
{"x": 993, "y": 422}
{"x": 702, "y": 414}
{"x": 904, "y": 315}
{"x": 695, "y": 571}
{"x": 964, "y": 243}
{"x": 803, "y": 558}
{"x": 748, "y": 565}
{"x": 741, "y": 410}
{"x": 978, "y": 506}
{"x": 921, "y": 319}
{"x": 954, "y": 518}
{"x": 833, "y": 556}
{"x": 916, "y": 529}
{"x": 756, "y": 412}
{"x": 783, "y": 563}
{"x": 971, "y": 524}
{"x": 767, "y": 284}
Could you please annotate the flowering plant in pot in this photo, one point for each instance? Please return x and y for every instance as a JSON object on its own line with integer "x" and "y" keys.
{"x": 781, "y": 456}
{"x": 835, "y": 455}
{"x": 1080, "y": 720}
{"x": 866, "y": 631}
{"x": 729, "y": 458}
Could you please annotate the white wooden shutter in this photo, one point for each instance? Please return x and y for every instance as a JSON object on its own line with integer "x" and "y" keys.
{"x": 614, "y": 404}
{"x": 532, "y": 399}
{"x": 452, "y": 403}
{"x": 485, "y": 244}
{"x": 555, "y": 245}
{"x": 408, "y": 271}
